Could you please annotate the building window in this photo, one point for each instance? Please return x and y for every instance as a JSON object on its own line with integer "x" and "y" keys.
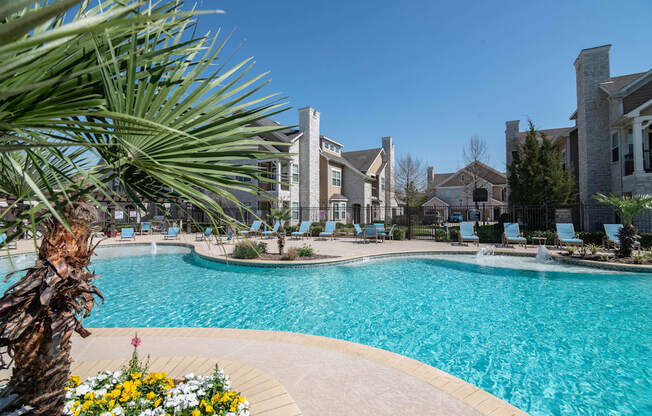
{"x": 462, "y": 177}
{"x": 382, "y": 183}
{"x": 374, "y": 211}
{"x": 295, "y": 173}
{"x": 614, "y": 147}
{"x": 337, "y": 177}
{"x": 339, "y": 211}
{"x": 630, "y": 141}
{"x": 295, "y": 211}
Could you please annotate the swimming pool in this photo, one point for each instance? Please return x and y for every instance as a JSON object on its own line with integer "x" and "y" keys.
{"x": 550, "y": 343}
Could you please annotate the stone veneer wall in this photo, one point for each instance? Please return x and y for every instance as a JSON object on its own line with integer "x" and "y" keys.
{"x": 309, "y": 160}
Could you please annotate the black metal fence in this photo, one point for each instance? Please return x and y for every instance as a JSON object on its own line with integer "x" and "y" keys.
{"x": 421, "y": 222}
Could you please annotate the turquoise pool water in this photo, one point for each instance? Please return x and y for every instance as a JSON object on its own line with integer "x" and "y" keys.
{"x": 551, "y": 343}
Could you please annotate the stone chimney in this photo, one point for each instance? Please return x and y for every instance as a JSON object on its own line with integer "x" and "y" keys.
{"x": 594, "y": 146}
{"x": 309, "y": 164}
{"x": 390, "y": 172}
{"x": 430, "y": 178}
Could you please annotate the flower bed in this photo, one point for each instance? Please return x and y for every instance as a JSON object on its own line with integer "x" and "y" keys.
{"x": 133, "y": 391}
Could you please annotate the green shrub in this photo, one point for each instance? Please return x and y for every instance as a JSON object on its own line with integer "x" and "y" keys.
{"x": 305, "y": 251}
{"x": 316, "y": 228}
{"x": 490, "y": 233}
{"x": 249, "y": 250}
{"x": 549, "y": 235}
{"x": 646, "y": 240}
{"x": 594, "y": 248}
{"x": 291, "y": 228}
{"x": 454, "y": 234}
{"x": 440, "y": 235}
{"x": 591, "y": 237}
{"x": 399, "y": 233}
{"x": 290, "y": 255}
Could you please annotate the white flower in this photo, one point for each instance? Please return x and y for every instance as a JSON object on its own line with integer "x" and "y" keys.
{"x": 82, "y": 389}
{"x": 117, "y": 411}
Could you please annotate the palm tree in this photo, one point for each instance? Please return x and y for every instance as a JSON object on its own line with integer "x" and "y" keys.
{"x": 113, "y": 95}
{"x": 281, "y": 215}
{"x": 628, "y": 207}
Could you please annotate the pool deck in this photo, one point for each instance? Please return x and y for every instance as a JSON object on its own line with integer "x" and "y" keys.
{"x": 289, "y": 374}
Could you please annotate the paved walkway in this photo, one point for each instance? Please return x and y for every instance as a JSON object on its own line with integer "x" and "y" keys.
{"x": 319, "y": 376}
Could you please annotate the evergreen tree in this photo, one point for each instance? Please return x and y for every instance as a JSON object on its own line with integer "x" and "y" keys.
{"x": 536, "y": 175}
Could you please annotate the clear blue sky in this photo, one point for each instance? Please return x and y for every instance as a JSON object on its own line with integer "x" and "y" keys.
{"x": 432, "y": 73}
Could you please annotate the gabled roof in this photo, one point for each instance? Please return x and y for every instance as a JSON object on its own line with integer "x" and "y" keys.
{"x": 615, "y": 84}
{"x": 436, "y": 202}
{"x": 441, "y": 177}
{"x": 362, "y": 159}
{"x": 338, "y": 159}
{"x": 485, "y": 172}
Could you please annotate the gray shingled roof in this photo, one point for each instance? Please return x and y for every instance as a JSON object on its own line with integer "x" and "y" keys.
{"x": 362, "y": 159}
{"x": 550, "y": 133}
{"x": 341, "y": 160}
{"x": 616, "y": 84}
{"x": 285, "y": 135}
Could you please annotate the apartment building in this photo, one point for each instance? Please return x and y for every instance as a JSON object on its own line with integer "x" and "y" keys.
{"x": 321, "y": 181}
{"x": 452, "y": 193}
{"x": 609, "y": 146}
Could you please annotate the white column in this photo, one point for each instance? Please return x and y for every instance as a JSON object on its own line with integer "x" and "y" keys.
{"x": 638, "y": 146}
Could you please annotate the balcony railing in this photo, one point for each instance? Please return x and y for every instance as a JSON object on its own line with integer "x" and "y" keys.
{"x": 629, "y": 162}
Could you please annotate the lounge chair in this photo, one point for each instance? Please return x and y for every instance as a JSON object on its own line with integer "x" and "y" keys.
{"x": 4, "y": 242}
{"x": 467, "y": 234}
{"x": 390, "y": 234}
{"x": 206, "y": 235}
{"x": 372, "y": 231}
{"x": 127, "y": 233}
{"x": 304, "y": 230}
{"x": 253, "y": 230}
{"x": 357, "y": 231}
{"x": 329, "y": 230}
{"x": 173, "y": 234}
{"x": 512, "y": 234}
{"x": 274, "y": 229}
{"x": 145, "y": 227}
{"x": 611, "y": 239}
{"x": 566, "y": 236}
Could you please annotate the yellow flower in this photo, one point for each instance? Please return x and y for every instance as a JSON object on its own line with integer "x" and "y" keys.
{"x": 215, "y": 398}
{"x": 150, "y": 395}
{"x": 75, "y": 380}
{"x": 136, "y": 376}
{"x": 157, "y": 403}
{"x": 209, "y": 409}
{"x": 196, "y": 413}
{"x": 89, "y": 396}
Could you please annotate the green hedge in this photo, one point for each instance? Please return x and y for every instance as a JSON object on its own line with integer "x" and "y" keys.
{"x": 646, "y": 240}
{"x": 249, "y": 250}
{"x": 399, "y": 233}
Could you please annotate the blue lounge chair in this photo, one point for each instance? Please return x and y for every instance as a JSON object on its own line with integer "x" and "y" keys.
{"x": 127, "y": 233}
{"x": 611, "y": 238}
{"x": 3, "y": 242}
{"x": 206, "y": 235}
{"x": 173, "y": 234}
{"x": 329, "y": 230}
{"x": 390, "y": 234}
{"x": 512, "y": 234}
{"x": 253, "y": 230}
{"x": 145, "y": 227}
{"x": 566, "y": 236}
{"x": 357, "y": 232}
{"x": 467, "y": 234}
{"x": 371, "y": 231}
{"x": 304, "y": 230}
{"x": 274, "y": 229}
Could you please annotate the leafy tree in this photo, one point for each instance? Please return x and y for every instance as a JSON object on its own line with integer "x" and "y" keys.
{"x": 628, "y": 207}
{"x": 113, "y": 94}
{"x": 282, "y": 215}
{"x": 536, "y": 175}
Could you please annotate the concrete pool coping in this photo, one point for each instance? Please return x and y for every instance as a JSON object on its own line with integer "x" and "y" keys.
{"x": 317, "y": 375}
{"x": 343, "y": 251}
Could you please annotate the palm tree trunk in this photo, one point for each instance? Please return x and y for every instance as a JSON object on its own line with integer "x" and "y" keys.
{"x": 40, "y": 312}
